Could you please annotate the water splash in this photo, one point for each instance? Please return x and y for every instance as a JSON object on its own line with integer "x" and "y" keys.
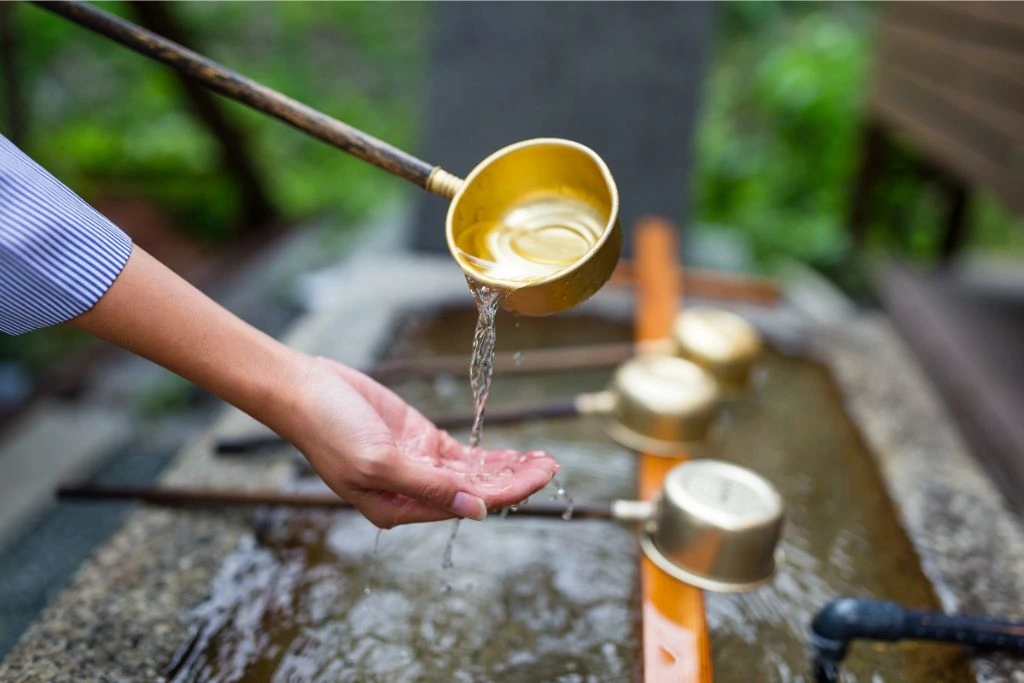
{"x": 447, "y": 563}
{"x": 481, "y": 370}
{"x": 374, "y": 562}
{"x": 562, "y": 494}
{"x": 481, "y": 367}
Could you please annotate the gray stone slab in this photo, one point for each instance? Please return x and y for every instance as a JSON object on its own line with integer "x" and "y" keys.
{"x": 52, "y": 444}
{"x": 37, "y": 567}
{"x": 971, "y": 545}
{"x": 621, "y": 78}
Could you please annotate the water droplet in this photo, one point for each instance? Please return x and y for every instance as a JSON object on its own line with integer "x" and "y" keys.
{"x": 374, "y": 560}
{"x": 514, "y": 507}
{"x": 562, "y": 494}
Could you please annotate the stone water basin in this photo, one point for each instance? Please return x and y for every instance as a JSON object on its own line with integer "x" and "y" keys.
{"x": 307, "y": 598}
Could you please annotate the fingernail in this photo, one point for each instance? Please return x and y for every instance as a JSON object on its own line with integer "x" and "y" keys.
{"x": 469, "y": 507}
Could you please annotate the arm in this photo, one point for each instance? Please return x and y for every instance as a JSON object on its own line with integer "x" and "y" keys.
{"x": 351, "y": 429}
{"x": 60, "y": 260}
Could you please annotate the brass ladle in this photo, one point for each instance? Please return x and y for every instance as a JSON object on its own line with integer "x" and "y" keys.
{"x": 720, "y": 341}
{"x": 657, "y": 404}
{"x": 714, "y": 525}
{"x": 537, "y": 219}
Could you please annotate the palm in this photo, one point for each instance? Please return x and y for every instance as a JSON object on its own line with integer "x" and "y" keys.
{"x": 505, "y": 477}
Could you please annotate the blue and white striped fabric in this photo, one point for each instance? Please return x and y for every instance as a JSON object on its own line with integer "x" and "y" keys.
{"x": 58, "y": 255}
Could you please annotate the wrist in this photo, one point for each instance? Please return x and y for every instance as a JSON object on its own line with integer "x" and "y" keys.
{"x": 270, "y": 388}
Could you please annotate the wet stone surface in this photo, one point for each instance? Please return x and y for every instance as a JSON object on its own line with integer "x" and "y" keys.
{"x": 527, "y": 600}
{"x": 277, "y": 597}
{"x": 544, "y": 600}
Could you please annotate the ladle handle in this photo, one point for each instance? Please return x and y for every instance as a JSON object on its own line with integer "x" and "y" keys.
{"x": 241, "y": 89}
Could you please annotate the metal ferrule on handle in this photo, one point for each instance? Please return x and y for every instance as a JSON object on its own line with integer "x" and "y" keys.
{"x": 235, "y": 86}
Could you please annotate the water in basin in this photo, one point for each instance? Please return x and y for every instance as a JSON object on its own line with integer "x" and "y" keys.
{"x": 551, "y": 600}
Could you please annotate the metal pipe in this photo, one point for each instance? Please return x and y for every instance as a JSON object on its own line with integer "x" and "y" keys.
{"x": 847, "y": 619}
{"x": 235, "y": 86}
{"x": 626, "y": 511}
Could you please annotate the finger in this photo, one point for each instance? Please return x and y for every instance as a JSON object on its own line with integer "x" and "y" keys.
{"x": 526, "y": 479}
{"x": 432, "y": 486}
{"x": 386, "y": 510}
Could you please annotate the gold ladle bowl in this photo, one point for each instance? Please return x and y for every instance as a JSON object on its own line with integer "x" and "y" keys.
{"x": 661, "y": 405}
{"x": 537, "y": 219}
{"x": 721, "y": 341}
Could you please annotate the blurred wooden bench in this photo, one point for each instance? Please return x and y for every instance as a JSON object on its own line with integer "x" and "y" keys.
{"x": 949, "y": 83}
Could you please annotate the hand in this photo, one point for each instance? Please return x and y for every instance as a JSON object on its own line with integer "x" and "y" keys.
{"x": 364, "y": 441}
{"x": 392, "y": 463}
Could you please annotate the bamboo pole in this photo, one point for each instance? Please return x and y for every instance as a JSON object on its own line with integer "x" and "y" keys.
{"x": 676, "y": 645}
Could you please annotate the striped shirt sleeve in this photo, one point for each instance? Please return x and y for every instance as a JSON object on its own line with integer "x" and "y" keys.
{"x": 58, "y": 255}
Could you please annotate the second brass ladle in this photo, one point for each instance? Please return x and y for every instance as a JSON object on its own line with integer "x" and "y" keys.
{"x": 657, "y": 404}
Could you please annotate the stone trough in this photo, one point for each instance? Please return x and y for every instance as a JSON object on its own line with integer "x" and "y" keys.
{"x": 884, "y": 502}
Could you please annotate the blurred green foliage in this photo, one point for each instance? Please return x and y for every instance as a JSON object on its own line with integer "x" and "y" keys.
{"x": 779, "y": 136}
{"x": 108, "y": 121}
{"x": 776, "y": 148}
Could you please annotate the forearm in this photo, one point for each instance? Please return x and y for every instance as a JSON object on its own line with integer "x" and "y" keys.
{"x": 151, "y": 311}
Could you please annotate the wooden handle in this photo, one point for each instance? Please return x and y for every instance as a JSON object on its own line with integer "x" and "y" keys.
{"x": 241, "y": 89}
{"x": 544, "y": 411}
{"x": 226, "y": 498}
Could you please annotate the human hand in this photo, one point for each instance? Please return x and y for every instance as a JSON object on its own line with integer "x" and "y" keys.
{"x": 388, "y": 460}
{"x": 366, "y": 443}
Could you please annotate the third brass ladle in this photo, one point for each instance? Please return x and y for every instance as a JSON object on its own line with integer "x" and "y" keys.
{"x": 721, "y": 341}
{"x": 557, "y": 195}
{"x": 689, "y": 530}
